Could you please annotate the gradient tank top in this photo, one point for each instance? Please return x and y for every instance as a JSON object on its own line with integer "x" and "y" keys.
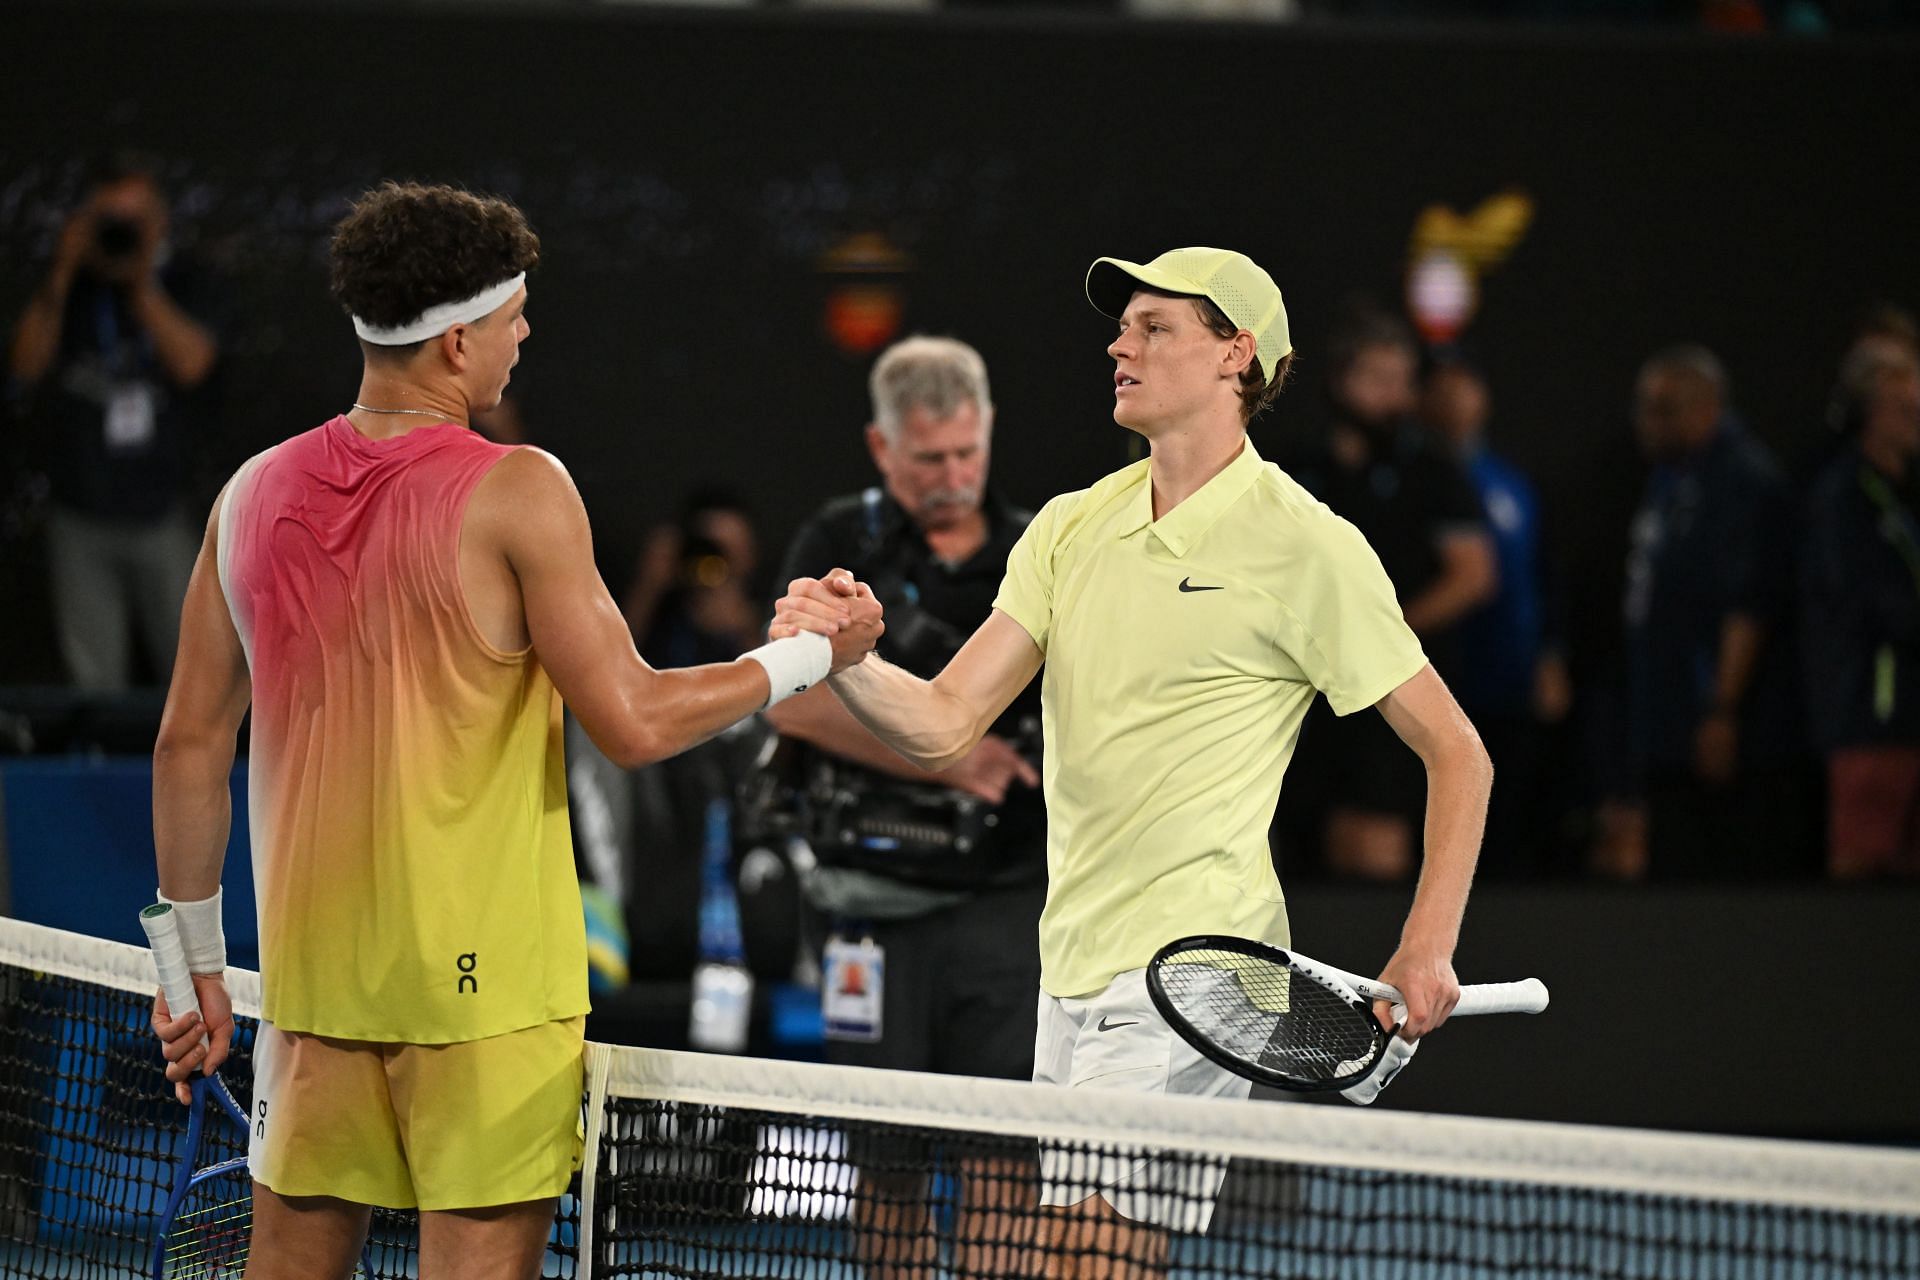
{"x": 407, "y": 790}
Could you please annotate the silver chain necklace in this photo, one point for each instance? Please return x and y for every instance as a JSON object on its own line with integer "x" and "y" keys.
{"x": 424, "y": 413}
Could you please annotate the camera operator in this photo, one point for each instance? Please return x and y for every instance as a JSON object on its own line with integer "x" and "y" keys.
{"x": 932, "y": 884}
{"x": 103, "y": 357}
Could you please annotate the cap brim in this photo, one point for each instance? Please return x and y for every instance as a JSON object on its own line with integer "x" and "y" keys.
{"x": 1111, "y": 284}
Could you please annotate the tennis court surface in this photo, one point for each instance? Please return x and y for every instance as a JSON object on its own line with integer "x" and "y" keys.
{"x": 704, "y": 1166}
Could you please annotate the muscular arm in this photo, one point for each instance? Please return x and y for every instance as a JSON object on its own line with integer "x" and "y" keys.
{"x": 1468, "y": 578}
{"x": 529, "y": 508}
{"x": 935, "y": 723}
{"x": 193, "y": 756}
{"x": 1459, "y": 780}
{"x": 192, "y": 808}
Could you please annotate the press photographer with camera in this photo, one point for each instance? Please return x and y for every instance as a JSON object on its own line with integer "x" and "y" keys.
{"x": 103, "y": 360}
{"x": 931, "y": 884}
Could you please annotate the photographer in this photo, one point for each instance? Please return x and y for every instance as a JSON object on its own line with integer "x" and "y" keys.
{"x": 932, "y": 884}
{"x": 103, "y": 358}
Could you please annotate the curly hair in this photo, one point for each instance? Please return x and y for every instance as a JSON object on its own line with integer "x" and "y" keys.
{"x": 1255, "y": 391}
{"x": 404, "y": 247}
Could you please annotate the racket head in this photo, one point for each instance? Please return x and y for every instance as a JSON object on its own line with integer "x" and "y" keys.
{"x": 207, "y": 1237}
{"x": 1265, "y": 1013}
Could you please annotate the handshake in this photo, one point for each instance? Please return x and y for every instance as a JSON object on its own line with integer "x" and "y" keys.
{"x": 837, "y": 607}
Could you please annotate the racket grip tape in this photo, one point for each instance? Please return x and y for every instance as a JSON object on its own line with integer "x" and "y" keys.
{"x": 170, "y": 958}
{"x": 1526, "y": 996}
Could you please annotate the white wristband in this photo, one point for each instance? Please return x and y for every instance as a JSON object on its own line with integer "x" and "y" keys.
{"x": 794, "y": 664}
{"x": 202, "y": 935}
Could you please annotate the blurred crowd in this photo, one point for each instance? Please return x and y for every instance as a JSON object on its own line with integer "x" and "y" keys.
{"x": 1760, "y": 717}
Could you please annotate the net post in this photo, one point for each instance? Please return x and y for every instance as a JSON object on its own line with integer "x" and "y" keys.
{"x": 599, "y": 1063}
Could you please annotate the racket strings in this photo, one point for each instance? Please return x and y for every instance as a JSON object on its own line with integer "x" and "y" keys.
{"x": 1269, "y": 1015}
{"x": 211, "y": 1230}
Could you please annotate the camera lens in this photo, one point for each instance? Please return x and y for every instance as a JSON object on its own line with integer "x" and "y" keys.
{"x": 117, "y": 237}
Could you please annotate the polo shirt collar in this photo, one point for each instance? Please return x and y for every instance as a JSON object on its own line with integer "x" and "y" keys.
{"x": 1181, "y": 527}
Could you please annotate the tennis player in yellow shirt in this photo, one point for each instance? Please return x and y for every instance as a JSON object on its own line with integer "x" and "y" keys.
{"x": 1187, "y": 609}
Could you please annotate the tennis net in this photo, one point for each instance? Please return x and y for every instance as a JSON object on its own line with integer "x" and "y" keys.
{"x": 726, "y": 1167}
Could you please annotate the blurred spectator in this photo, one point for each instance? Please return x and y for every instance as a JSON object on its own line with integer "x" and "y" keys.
{"x": 1509, "y": 675}
{"x": 1714, "y": 737}
{"x": 695, "y": 596}
{"x": 1861, "y": 575}
{"x": 504, "y": 423}
{"x": 103, "y": 358}
{"x": 1416, "y": 508}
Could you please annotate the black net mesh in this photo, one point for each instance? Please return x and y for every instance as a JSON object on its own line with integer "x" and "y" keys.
{"x": 90, "y": 1136}
{"x": 706, "y": 1191}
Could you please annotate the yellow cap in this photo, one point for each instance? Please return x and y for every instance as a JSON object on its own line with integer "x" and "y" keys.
{"x": 1232, "y": 281}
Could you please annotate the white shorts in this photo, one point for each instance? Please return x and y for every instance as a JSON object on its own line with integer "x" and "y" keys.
{"x": 1116, "y": 1039}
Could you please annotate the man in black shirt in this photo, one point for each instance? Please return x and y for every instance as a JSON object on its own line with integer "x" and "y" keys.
{"x": 1715, "y": 739}
{"x": 1861, "y": 572}
{"x": 1380, "y": 471}
{"x": 104, "y": 358}
{"x": 932, "y": 883}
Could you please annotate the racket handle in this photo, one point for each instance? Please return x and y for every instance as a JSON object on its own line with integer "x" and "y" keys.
{"x": 170, "y": 958}
{"x": 1526, "y": 996}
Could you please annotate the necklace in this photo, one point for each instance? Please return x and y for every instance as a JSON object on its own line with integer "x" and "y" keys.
{"x": 424, "y": 413}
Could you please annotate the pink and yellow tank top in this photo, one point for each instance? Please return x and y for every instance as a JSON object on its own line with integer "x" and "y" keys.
{"x": 407, "y": 789}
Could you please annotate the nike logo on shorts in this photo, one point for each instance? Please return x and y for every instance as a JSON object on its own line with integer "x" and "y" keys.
{"x": 1105, "y": 1025}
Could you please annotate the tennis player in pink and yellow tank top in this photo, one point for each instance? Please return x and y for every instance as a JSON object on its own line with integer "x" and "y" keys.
{"x": 403, "y": 605}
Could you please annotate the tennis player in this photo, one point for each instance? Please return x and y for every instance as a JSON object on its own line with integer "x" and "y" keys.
{"x": 1188, "y": 608}
{"x": 404, "y": 604}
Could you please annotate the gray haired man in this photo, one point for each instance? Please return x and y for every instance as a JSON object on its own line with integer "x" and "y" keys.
{"x": 931, "y": 884}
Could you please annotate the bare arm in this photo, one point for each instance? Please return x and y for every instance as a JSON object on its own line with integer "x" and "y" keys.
{"x": 36, "y": 338}
{"x": 1468, "y": 578}
{"x": 1459, "y": 780}
{"x": 1741, "y": 638}
{"x": 933, "y": 723}
{"x": 1716, "y": 745}
{"x": 819, "y": 718}
{"x": 193, "y": 756}
{"x": 529, "y": 507}
{"x": 184, "y": 347}
{"x": 192, "y": 807}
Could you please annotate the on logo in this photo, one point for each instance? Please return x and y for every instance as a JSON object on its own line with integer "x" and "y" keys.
{"x": 468, "y": 983}
{"x": 262, "y": 1130}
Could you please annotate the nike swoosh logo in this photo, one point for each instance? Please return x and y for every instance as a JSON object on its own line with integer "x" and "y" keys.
{"x": 1186, "y": 584}
{"x": 1114, "y": 1026}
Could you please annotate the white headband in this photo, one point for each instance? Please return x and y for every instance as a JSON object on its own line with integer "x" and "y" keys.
{"x": 435, "y": 321}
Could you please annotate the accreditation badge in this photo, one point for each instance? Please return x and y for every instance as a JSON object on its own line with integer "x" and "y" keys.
{"x": 851, "y": 988}
{"x": 130, "y": 416}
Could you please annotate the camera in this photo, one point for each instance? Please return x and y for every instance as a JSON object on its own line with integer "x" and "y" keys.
{"x": 117, "y": 237}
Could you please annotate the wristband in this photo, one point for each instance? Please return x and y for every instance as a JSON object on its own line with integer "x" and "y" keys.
{"x": 201, "y": 934}
{"x": 794, "y": 664}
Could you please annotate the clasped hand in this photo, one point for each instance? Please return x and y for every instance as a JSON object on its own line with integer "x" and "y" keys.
{"x": 837, "y": 607}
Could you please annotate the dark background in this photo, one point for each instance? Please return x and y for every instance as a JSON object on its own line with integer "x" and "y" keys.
{"x": 687, "y": 170}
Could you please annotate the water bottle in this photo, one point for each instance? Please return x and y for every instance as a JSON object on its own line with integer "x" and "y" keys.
{"x": 722, "y": 987}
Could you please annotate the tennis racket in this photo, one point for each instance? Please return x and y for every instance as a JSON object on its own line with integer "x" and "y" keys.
{"x": 209, "y": 1215}
{"x": 1280, "y": 1019}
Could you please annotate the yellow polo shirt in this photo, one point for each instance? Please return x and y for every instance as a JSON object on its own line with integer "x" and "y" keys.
{"x": 1182, "y": 655}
